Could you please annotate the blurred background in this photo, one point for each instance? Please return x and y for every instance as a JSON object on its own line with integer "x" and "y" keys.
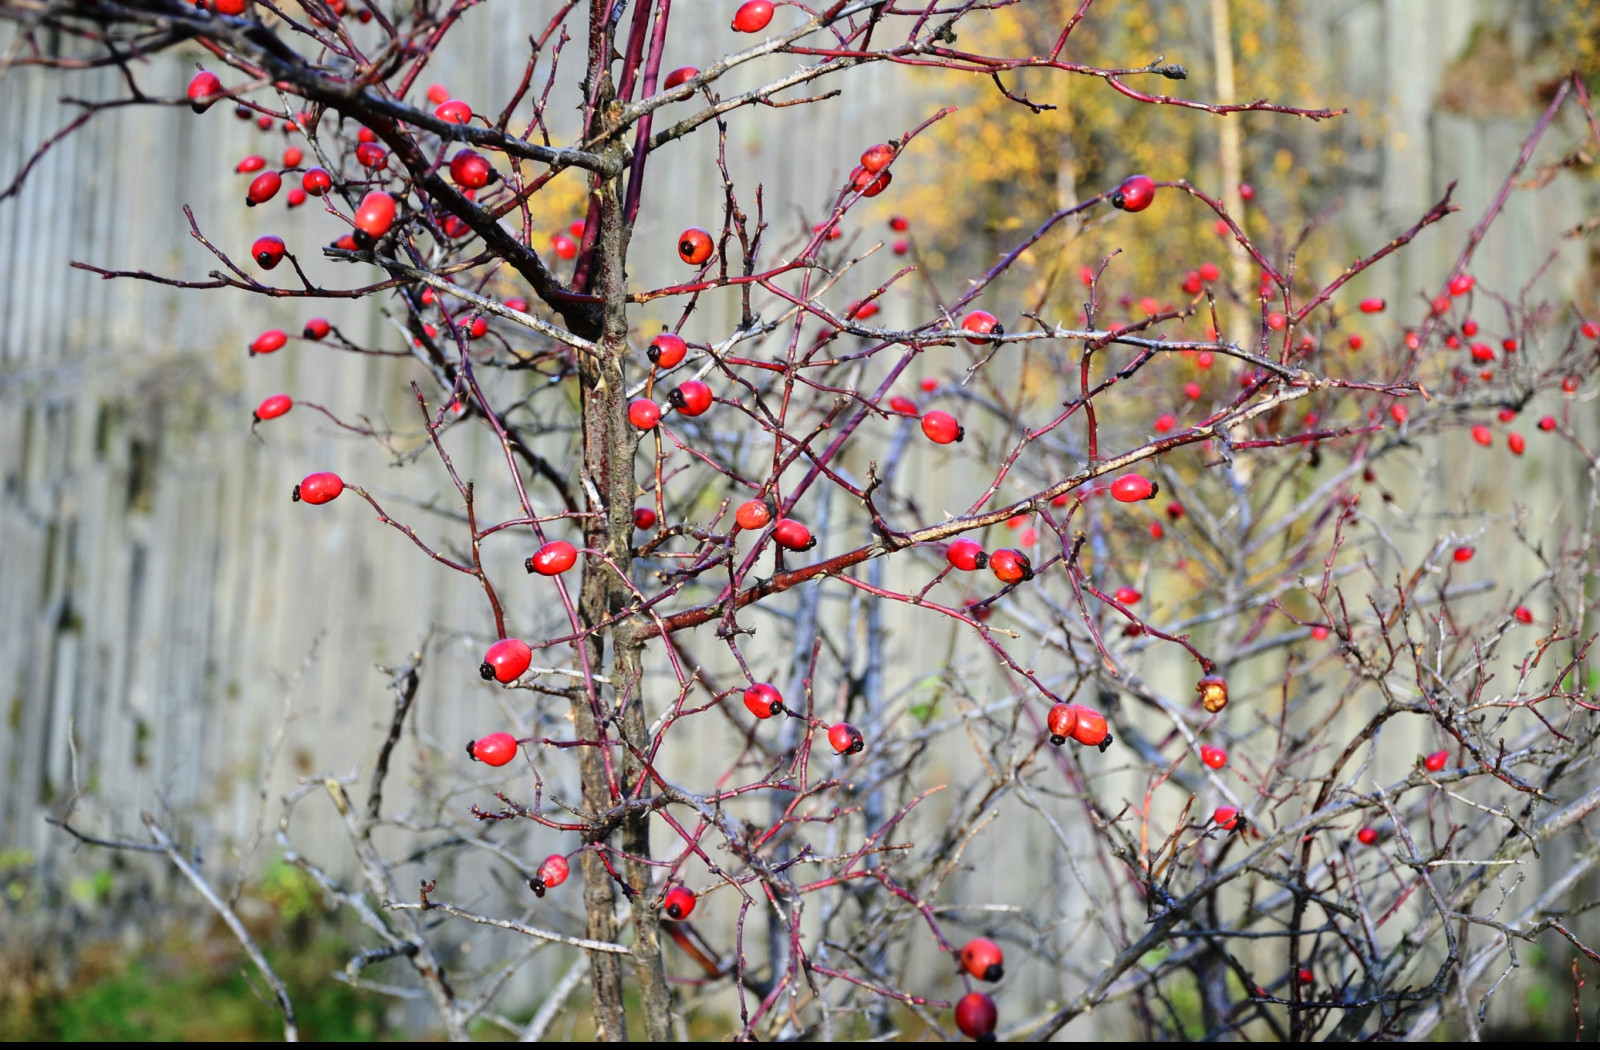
{"x": 177, "y": 638}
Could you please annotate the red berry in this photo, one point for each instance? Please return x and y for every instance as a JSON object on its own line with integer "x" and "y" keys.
{"x": 229, "y": 7}
{"x": 1367, "y": 836}
{"x": 1461, "y": 284}
{"x": 1570, "y": 384}
{"x": 692, "y": 398}
{"x": 517, "y": 303}
{"x": 346, "y": 243}
{"x": 372, "y": 156}
{"x": 644, "y": 413}
{"x": 1305, "y": 976}
{"x": 505, "y": 660}
{"x": 1399, "y": 413}
{"x": 553, "y": 559}
{"x": 1214, "y": 757}
{"x": 1063, "y": 722}
{"x": 792, "y": 535}
{"x": 942, "y": 428}
{"x": 1482, "y": 435}
{"x": 1174, "y": 510}
{"x": 1156, "y": 531}
{"x": 269, "y": 341}
{"x": 1135, "y": 193}
{"x": 678, "y": 903}
{"x": 321, "y": 487}
{"x": 763, "y": 700}
{"x": 477, "y": 328}
{"x": 694, "y": 244}
{"x": 860, "y": 311}
{"x": 1453, "y": 342}
{"x": 438, "y": 93}
{"x": 1319, "y": 633}
{"x": 867, "y": 184}
{"x": 754, "y": 514}
{"x": 666, "y": 350}
{"x": 267, "y": 251}
{"x": 296, "y": 197}
{"x": 1191, "y": 282}
{"x": 903, "y": 405}
{"x": 1522, "y": 614}
{"x": 681, "y": 75}
{"x": 1226, "y": 817}
{"x": 966, "y": 554}
{"x": 1127, "y": 595}
{"x": 263, "y": 188}
{"x": 976, "y": 1016}
{"x": 1508, "y": 345}
{"x": 1463, "y": 553}
{"x": 981, "y": 322}
{"x": 1165, "y": 422}
{"x": 752, "y": 17}
{"x": 644, "y": 518}
{"x": 1010, "y": 566}
{"x": 1130, "y": 488}
{"x": 1590, "y": 330}
{"x": 1436, "y": 761}
{"x": 983, "y": 959}
{"x": 901, "y": 247}
{"x": 254, "y": 162}
{"x": 1516, "y": 443}
{"x": 878, "y": 157}
{"x": 1209, "y": 272}
{"x": 1372, "y": 306}
{"x": 496, "y": 749}
{"x": 316, "y": 182}
{"x": 899, "y": 223}
{"x": 1355, "y": 342}
{"x": 1441, "y": 304}
{"x": 1192, "y": 391}
{"x": 1247, "y": 192}
{"x": 1091, "y": 730}
{"x": 1547, "y": 423}
{"x": 273, "y": 407}
{"x": 292, "y": 157}
{"x": 845, "y": 739}
{"x": 565, "y": 247}
{"x": 204, "y": 90}
{"x": 471, "y": 170}
{"x": 552, "y": 873}
{"x": 454, "y": 111}
{"x": 376, "y": 214}
{"x": 1482, "y": 352}
{"x": 1469, "y": 328}
{"x": 929, "y": 385}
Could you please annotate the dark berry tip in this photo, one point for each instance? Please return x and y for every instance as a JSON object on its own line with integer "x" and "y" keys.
{"x": 674, "y": 912}
{"x": 981, "y": 560}
{"x": 1057, "y": 740}
{"x": 994, "y": 972}
{"x": 472, "y": 750}
{"x": 295, "y": 497}
{"x": 487, "y": 670}
{"x": 528, "y": 564}
{"x": 1105, "y": 743}
{"x": 998, "y": 330}
{"x": 536, "y": 884}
